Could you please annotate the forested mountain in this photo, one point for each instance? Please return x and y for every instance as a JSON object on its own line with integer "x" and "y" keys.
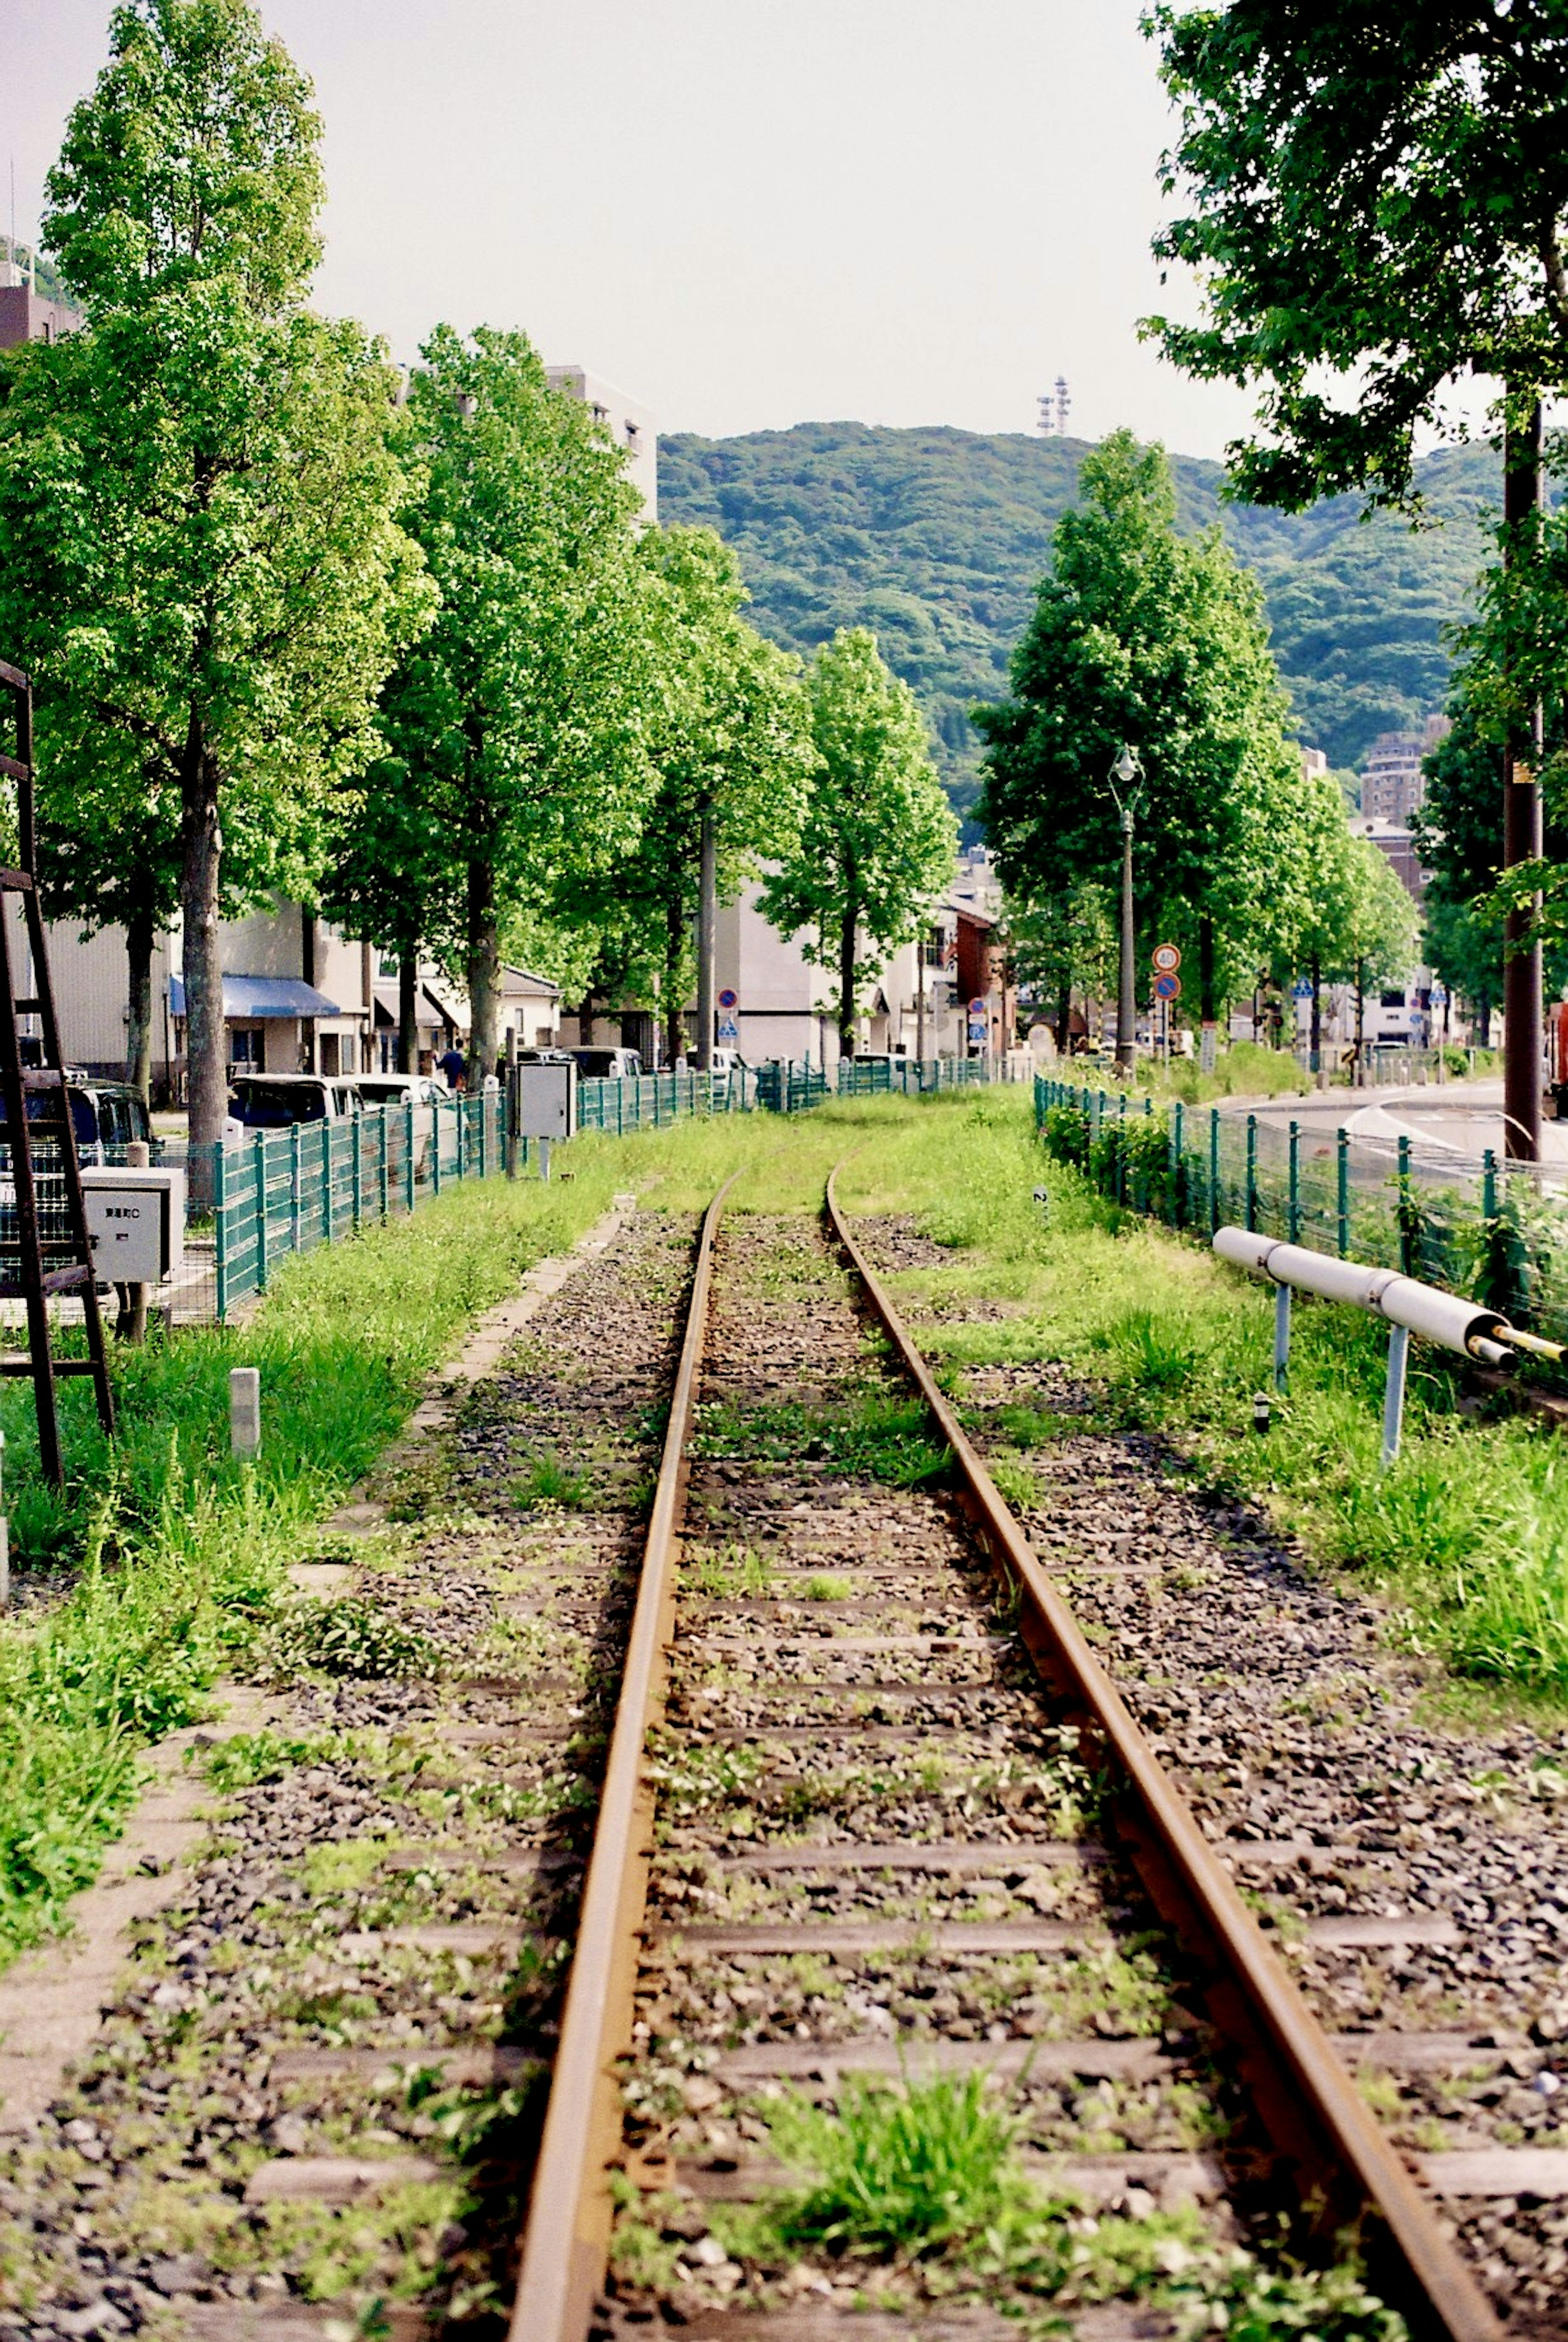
{"x": 938, "y": 538}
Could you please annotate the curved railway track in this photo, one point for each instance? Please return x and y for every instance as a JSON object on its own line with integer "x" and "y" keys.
{"x": 1297, "y": 2132}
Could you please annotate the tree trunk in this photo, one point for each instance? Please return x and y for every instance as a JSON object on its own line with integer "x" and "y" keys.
{"x": 707, "y": 940}
{"x": 1205, "y": 969}
{"x": 1358, "y": 1075}
{"x": 483, "y": 971}
{"x": 408, "y": 1009}
{"x": 207, "y": 1051}
{"x": 1522, "y": 475}
{"x": 139, "y": 940}
{"x": 674, "y": 1010}
{"x": 1065, "y": 1018}
{"x": 847, "y": 926}
{"x": 1484, "y": 1021}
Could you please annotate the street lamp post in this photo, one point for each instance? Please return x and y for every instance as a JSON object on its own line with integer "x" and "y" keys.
{"x": 1126, "y": 770}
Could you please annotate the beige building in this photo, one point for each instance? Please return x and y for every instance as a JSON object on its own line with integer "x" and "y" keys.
{"x": 1392, "y": 784}
{"x": 299, "y": 997}
{"x": 627, "y": 422}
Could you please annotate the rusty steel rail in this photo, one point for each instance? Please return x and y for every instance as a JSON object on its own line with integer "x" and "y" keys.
{"x": 567, "y": 2237}
{"x": 1308, "y": 2102}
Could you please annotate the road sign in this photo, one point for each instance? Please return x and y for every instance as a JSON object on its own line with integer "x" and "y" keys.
{"x": 1167, "y": 985}
{"x": 729, "y": 1032}
{"x": 1167, "y": 959}
{"x": 977, "y": 1009}
{"x": 727, "y": 999}
{"x": 1302, "y": 990}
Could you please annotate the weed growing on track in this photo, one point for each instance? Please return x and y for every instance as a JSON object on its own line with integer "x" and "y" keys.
{"x": 910, "y": 2170}
{"x": 923, "y": 2180}
{"x": 881, "y": 1435}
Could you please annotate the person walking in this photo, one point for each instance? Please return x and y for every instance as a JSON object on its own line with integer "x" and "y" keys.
{"x": 452, "y": 1067}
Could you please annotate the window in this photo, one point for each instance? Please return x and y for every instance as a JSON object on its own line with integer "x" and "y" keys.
{"x": 245, "y": 1045}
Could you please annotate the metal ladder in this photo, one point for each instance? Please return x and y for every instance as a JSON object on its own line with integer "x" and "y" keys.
{"x": 51, "y": 1253}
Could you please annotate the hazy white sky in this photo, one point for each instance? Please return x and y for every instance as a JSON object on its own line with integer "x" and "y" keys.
{"x": 746, "y": 213}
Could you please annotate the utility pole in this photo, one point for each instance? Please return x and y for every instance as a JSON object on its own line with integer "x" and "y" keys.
{"x": 1125, "y": 770}
{"x": 920, "y": 997}
{"x": 707, "y": 941}
{"x": 1521, "y": 830}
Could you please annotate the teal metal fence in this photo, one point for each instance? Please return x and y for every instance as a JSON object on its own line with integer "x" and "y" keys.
{"x": 1467, "y": 1223}
{"x": 286, "y": 1191}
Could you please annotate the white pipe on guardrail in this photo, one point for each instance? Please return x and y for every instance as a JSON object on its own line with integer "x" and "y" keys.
{"x": 1408, "y": 1305}
{"x": 1445, "y": 1317}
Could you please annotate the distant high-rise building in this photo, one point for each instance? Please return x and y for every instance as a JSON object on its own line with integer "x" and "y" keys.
{"x": 1392, "y": 784}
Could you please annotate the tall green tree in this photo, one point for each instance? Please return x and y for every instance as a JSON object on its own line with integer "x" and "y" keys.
{"x": 1458, "y": 840}
{"x": 197, "y": 493}
{"x": 1144, "y": 637}
{"x": 729, "y": 736}
{"x": 877, "y": 843}
{"x": 516, "y": 724}
{"x": 1374, "y": 203}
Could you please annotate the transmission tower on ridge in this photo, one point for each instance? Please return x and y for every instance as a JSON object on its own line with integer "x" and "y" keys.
{"x": 1054, "y": 405}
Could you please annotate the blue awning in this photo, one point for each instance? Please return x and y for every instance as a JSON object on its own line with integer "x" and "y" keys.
{"x": 262, "y": 995}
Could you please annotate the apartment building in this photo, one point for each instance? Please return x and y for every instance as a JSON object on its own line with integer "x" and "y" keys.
{"x": 1392, "y": 784}
{"x": 625, "y": 421}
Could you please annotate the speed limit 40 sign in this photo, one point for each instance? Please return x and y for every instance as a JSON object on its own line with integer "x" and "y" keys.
{"x": 1167, "y": 959}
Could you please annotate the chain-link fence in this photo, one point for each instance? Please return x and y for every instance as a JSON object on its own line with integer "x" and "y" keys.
{"x": 1495, "y": 1232}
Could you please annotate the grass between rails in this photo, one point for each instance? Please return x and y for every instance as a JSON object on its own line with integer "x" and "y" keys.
{"x": 1467, "y": 1533}
{"x": 923, "y": 2178}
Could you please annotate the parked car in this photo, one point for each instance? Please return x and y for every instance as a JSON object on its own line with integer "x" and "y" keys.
{"x": 545, "y": 1057}
{"x": 397, "y": 1089}
{"x": 105, "y": 1115}
{"x": 276, "y": 1101}
{"x": 606, "y": 1065}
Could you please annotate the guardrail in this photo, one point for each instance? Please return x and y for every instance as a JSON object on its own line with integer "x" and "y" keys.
{"x": 1490, "y": 1231}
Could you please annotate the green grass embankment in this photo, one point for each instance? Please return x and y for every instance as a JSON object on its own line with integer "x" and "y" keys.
{"x": 1466, "y": 1535}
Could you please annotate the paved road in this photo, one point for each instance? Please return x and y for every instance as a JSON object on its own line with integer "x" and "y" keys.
{"x": 1462, "y": 1116}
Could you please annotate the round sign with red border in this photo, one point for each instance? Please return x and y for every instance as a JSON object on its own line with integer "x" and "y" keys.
{"x": 1167, "y": 959}
{"x": 1167, "y": 986}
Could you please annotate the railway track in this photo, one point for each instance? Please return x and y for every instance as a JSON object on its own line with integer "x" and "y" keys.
{"x": 872, "y": 1807}
{"x": 845, "y": 1806}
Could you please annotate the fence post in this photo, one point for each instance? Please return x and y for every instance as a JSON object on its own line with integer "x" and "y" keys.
{"x": 436, "y": 1150}
{"x": 358, "y": 1195}
{"x": 1489, "y": 1186}
{"x": 261, "y": 1211}
{"x": 1123, "y": 1185}
{"x": 383, "y": 1185}
{"x": 1252, "y": 1218}
{"x": 294, "y": 1187}
{"x": 1178, "y": 1213}
{"x": 1406, "y": 1230}
{"x": 1213, "y": 1168}
{"x": 462, "y": 1139}
{"x": 409, "y": 1168}
{"x": 220, "y": 1232}
{"x": 1294, "y": 1223}
{"x": 1342, "y": 1169}
{"x": 326, "y": 1182}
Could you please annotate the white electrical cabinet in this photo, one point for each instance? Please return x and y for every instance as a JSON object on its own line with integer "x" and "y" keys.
{"x": 135, "y": 1223}
{"x": 546, "y": 1096}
